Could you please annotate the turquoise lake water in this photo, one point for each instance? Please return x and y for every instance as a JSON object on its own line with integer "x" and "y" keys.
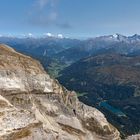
{"x": 112, "y": 109}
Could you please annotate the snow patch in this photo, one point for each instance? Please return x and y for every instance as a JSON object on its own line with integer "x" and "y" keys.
{"x": 115, "y": 35}
{"x": 48, "y": 34}
{"x": 60, "y": 36}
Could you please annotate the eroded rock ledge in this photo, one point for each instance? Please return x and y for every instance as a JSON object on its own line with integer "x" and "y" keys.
{"x": 35, "y": 107}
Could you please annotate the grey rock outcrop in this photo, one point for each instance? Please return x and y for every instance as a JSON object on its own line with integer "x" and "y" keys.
{"x": 35, "y": 107}
{"x": 134, "y": 137}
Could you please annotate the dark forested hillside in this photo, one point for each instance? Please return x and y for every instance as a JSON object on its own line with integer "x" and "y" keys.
{"x": 109, "y": 82}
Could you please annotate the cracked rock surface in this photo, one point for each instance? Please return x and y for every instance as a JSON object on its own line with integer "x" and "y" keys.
{"x": 35, "y": 107}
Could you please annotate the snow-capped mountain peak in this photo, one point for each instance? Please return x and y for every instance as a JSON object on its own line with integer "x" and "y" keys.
{"x": 115, "y": 35}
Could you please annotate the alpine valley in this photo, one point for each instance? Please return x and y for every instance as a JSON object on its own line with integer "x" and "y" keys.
{"x": 34, "y": 106}
{"x": 104, "y": 72}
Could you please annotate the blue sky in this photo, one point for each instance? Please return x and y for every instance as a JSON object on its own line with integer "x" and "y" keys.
{"x": 72, "y": 18}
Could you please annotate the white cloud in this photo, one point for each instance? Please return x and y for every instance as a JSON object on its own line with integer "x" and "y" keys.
{"x": 52, "y": 16}
{"x": 42, "y": 3}
{"x": 30, "y": 34}
{"x": 48, "y": 34}
{"x": 44, "y": 14}
{"x": 60, "y": 36}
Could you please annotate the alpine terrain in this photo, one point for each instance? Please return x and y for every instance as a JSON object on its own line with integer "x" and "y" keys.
{"x": 35, "y": 107}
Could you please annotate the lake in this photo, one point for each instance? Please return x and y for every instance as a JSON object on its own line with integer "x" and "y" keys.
{"x": 112, "y": 109}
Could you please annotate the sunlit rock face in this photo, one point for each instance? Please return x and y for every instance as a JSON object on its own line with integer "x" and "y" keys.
{"x": 134, "y": 137}
{"x": 35, "y": 107}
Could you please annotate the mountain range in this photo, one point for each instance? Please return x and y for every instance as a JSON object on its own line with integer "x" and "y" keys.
{"x": 104, "y": 71}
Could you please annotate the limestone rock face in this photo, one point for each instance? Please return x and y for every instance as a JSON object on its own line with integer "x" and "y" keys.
{"x": 35, "y": 107}
{"x": 134, "y": 137}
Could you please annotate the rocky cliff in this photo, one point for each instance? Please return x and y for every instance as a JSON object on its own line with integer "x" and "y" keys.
{"x": 35, "y": 107}
{"x": 134, "y": 137}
